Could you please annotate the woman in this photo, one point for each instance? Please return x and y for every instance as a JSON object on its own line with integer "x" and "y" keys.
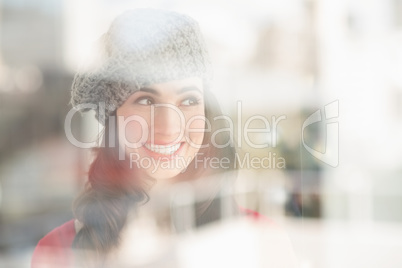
{"x": 151, "y": 89}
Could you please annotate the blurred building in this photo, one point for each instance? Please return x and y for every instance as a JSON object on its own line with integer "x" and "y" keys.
{"x": 37, "y": 169}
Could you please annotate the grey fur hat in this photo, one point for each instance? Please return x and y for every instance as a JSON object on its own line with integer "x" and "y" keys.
{"x": 141, "y": 47}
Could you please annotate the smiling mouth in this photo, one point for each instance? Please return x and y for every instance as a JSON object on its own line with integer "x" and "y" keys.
{"x": 163, "y": 149}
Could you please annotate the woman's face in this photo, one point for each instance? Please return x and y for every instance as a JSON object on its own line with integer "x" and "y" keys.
{"x": 161, "y": 127}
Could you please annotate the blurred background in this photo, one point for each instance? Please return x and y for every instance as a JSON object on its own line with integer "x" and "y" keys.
{"x": 330, "y": 70}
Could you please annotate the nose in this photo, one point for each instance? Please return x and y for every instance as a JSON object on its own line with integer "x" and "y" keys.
{"x": 168, "y": 123}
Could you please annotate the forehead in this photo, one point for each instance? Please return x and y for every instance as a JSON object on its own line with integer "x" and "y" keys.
{"x": 177, "y": 85}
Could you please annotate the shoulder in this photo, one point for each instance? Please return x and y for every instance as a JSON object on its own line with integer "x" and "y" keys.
{"x": 56, "y": 245}
{"x": 61, "y": 236}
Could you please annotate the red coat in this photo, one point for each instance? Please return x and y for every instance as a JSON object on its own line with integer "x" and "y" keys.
{"x": 55, "y": 249}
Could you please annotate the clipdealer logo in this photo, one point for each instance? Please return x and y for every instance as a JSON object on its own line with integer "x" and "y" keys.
{"x": 330, "y": 155}
{"x": 326, "y": 116}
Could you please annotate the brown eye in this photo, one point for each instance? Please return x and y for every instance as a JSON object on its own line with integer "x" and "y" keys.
{"x": 145, "y": 101}
{"x": 190, "y": 101}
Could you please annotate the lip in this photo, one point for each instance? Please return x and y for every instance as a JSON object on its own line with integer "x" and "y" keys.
{"x": 164, "y": 157}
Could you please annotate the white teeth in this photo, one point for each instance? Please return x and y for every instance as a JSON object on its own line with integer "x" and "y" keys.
{"x": 162, "y": 149}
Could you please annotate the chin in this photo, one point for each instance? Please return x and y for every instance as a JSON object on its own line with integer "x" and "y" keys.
{"x": 163, "y": 174}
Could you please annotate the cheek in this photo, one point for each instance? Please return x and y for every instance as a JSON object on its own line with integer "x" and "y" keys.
{"x": 196, "y": 128}
{"x": 133, "y": 132}
{"x": 132, "y": 129}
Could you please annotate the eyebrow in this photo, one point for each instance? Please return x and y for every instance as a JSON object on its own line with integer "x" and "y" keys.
{"x": 190, "y": 88}
{"x": 149, "y": 90}
{"x": 181, "y": 91}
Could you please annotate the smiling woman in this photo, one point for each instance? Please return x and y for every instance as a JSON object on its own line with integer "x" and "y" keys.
{"x": 153, "y": 77}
